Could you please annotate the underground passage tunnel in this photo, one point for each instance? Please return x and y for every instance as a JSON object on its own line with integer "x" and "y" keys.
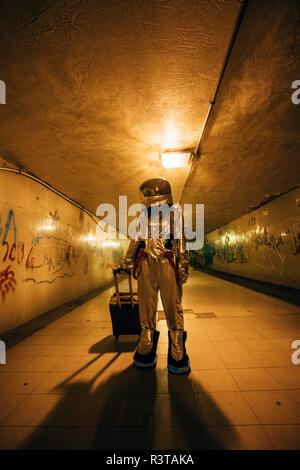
{"x": 149, "y": 225}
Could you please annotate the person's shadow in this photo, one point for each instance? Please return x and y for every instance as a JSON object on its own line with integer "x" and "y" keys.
{"x": 110, "y": 407}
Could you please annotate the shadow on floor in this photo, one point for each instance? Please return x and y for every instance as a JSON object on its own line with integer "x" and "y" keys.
{"x": 18, "y": 334}
{"x": 110, "y": 344}
{"x": 128, "y": 409}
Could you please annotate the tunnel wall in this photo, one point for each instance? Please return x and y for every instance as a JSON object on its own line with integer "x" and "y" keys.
{"x": 50, "y": 251}
{"x": 263, "y": 244}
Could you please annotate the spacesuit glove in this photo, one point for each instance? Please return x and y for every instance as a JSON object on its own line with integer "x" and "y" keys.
{"x": 183, "y": 272}
{"x": 183, "y": 276}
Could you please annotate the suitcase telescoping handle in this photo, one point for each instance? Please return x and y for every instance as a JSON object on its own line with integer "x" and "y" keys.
{"x": 128, "y": 272}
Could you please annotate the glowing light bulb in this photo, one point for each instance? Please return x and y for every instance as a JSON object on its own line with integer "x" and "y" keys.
{"x": 174, "y": 159}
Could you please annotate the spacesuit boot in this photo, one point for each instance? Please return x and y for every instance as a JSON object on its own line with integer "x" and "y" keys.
{"x": 178, "y": 360}
{"x": 145, "y": 355}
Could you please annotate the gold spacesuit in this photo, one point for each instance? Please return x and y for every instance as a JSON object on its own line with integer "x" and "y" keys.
{"x": 159, "y": 263}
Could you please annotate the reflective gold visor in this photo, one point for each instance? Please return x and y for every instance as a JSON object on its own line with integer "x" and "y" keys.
{"x": 155, "y": 187}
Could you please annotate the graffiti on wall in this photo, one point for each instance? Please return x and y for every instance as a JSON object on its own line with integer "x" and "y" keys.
{"x": 7, "y": 281}
{"x": 43, "y": 253}
{"x": 228, "y": 252}
{"x": 237, "y": 246}
{"x": 232, "y": 249}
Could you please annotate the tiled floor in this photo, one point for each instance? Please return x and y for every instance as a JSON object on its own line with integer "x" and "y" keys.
{"x": 70, "y": 385}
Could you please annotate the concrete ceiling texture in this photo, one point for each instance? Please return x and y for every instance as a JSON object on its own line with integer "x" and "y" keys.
{"x": 96, "y": 87}
{"x": 251, "y": 144}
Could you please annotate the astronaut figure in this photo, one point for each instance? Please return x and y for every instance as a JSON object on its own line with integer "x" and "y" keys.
{"x": 159, "y": 263}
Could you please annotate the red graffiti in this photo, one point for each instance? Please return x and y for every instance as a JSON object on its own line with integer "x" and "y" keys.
{"x": 7, "y": 250}
{"x": 29, "y": 260}
{"x": 7, "y": 281}
{"x": 21, "y": 255}
{"x": 12, "y": 252}
{"x": 17, "y": 253}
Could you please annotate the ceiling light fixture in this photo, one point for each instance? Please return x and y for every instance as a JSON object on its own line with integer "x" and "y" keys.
{"x": 175, "y": 158}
